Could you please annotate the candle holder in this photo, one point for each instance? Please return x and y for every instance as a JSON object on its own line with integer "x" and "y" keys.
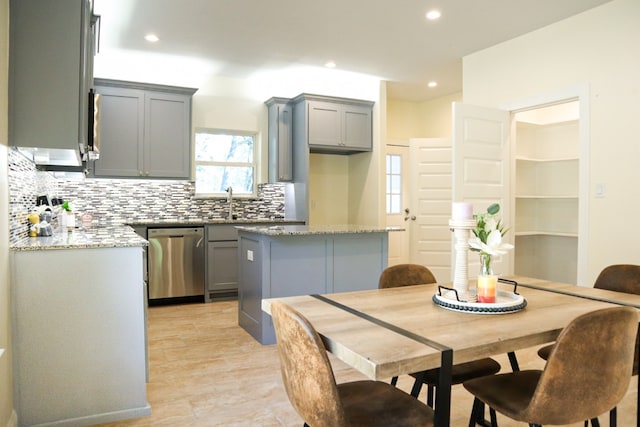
{"x": 462, "y": 230}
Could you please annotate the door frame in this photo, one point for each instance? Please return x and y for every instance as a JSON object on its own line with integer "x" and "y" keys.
{"x": 578, "y": 93}
{"x": 400, "y": 147}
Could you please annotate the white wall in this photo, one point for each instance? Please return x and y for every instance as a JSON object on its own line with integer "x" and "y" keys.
{"x": 598, "y": 48}
{"x": 6, "y": 392}
{"x": 340, "y": 188}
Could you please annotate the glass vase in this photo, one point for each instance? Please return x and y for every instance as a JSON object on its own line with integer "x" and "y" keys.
{"x": 487, "y": 281}
{"x": 486, "y": 269}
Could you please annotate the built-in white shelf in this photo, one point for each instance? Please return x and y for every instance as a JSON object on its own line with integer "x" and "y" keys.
{"x": 547, "y": 194}
{"x": 545, "y": 233}
{"x": 541, "y": 196}
{"x": 545, "y": 160}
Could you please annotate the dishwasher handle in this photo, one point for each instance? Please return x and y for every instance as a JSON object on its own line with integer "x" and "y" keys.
{"x": 176, "y": 233}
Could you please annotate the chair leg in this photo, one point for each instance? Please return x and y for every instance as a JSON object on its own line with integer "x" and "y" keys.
{"x": 595, "y": 422}
{"x": 638, "y": 404}
{"x": 430, "y": 395}
{"x": 478, "y": 406}
{"x": 417, "y": 385}
{"x": 513, "y": 360}
{"x": 492, "y": 415}
{"x": 394, "y": 381}
{"x": 613, "y": 417}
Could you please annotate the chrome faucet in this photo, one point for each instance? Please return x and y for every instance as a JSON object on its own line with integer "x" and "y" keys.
{"x": 229, "y": 190}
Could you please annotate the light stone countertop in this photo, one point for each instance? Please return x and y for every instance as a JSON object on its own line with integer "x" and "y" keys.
{"x": 117, "y": 236}
{"x": 307, "y": 230}
{"x": 202, "y": 222}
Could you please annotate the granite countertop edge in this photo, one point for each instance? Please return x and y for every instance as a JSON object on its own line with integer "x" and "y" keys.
{"x": 203, "y": 222}
{"x": 117, "y": 235}
{"x": 309, "y": 230}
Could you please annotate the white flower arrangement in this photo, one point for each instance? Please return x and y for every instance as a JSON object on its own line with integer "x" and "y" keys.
{"x": 488, "y": 233}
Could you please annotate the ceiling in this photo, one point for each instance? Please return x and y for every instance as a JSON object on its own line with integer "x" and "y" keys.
{"x": 387, "y": 40}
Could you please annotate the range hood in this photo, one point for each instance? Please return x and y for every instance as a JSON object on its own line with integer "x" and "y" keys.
{"x": 53, "y": 156}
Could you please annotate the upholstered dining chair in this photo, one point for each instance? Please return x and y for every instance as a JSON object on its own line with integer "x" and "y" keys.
{"x": 587, "y": 374}
{"x": 311, "y": 386}
{"x": 619, "y": 278}
{"x": 416, "y": 274}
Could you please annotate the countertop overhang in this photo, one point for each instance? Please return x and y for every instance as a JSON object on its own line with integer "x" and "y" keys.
{"x": 169, "y": 222}
{"x": 122, "y": 235}
{"x": 307, "y": 230}
{"x": 117, "y": 236}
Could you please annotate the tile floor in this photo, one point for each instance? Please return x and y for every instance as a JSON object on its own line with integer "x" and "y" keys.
{"x": 207, "y": 371}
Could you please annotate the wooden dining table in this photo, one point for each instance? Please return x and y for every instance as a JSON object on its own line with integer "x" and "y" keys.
{"x": 390, "y": 332}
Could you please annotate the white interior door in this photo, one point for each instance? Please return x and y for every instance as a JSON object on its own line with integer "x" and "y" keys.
{"x": 397, "y": 201}
{"x": 481, "y": 167}
{"x": 430, "y": 189}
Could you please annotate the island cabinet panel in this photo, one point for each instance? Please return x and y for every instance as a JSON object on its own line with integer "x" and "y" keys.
{"x": 297, "y": 264}
{"x": 78, "y": 336}
{"x": 353, "y": 258}
{"x": 273, "y": 266}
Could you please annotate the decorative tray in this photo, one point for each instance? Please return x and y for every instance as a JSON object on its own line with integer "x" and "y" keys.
{"x": 506, "y": 301}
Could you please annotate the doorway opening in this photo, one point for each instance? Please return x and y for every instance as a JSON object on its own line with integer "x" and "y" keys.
{"x": 546, "y": 183}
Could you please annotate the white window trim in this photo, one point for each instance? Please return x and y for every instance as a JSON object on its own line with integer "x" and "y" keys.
{"x": 253, "y": 163}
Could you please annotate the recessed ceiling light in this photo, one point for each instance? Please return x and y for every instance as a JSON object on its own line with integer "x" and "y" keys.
{"x": 151, "y": 38}
{"x": 432, "y": 84}
{"x": 433, "y": 15}
{"x": 330, "y": 64}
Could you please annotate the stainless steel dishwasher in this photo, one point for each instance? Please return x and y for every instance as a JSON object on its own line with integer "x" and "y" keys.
{"x": 176, "y": 264}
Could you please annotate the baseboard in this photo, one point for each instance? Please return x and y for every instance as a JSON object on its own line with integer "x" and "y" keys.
{"x": 107, "y": 417}
{"x": 13, "y": 420}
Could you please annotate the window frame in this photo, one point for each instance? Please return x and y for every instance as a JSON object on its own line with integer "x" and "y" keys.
{"x": 389, "y": 193}
{"x": 253, "y": 164}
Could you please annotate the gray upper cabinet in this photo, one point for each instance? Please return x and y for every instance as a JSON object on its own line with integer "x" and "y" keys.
{"x": 51, "y": 72}
{"x": 280, "y": 139}
{"x": 337, "y": 125}
{"x": 144, "y": 130}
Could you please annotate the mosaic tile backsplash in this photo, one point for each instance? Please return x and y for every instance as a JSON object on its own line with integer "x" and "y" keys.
{"x": 118, "y": 201}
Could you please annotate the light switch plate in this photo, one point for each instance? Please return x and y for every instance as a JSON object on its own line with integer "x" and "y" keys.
{"x": 249, "y": 255}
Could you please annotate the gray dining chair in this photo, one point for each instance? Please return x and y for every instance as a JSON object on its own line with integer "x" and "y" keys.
{"x": 311, "y": 386}
{"x": 416, "y": 274}
{"x": 587, "y": 374}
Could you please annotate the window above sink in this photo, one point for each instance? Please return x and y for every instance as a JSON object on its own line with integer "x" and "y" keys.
{"x": 223, "y": 159}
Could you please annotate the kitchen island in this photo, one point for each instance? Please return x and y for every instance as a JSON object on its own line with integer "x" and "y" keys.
{"x": 78, "y": 318}
{"x": 288, "y": 260}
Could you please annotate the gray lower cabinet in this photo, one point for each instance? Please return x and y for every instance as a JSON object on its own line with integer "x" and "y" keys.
{"x": 144, "y": 131}
{"x": 222, "y": 262}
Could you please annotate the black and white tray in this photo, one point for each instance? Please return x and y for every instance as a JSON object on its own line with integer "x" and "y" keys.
{"x": 506, "y": 301}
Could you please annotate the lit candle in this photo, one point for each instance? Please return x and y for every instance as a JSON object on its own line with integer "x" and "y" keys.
{"x": 461, "y": 210}
{"x": 487, "y": 288}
